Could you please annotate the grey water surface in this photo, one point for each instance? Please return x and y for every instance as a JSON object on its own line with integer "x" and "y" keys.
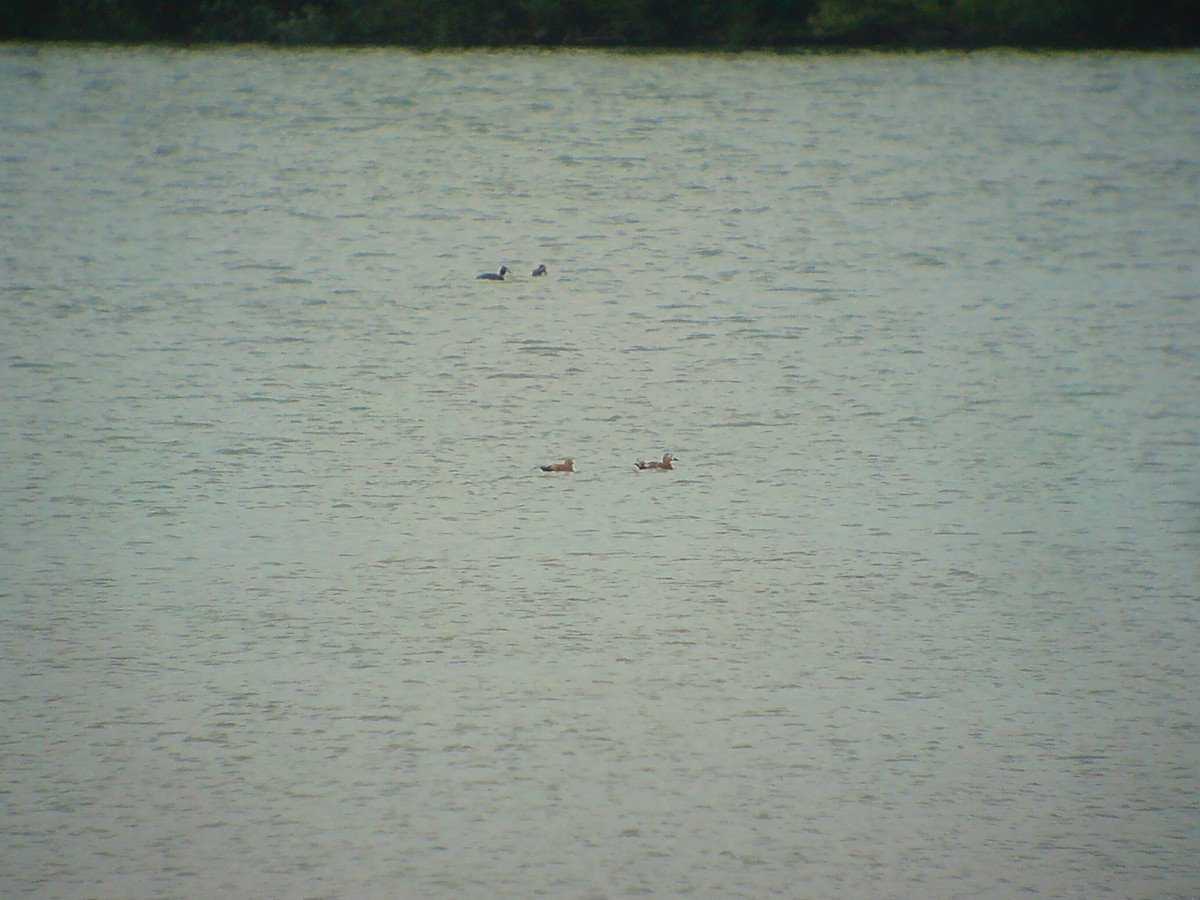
{"x": 287, "y": 608}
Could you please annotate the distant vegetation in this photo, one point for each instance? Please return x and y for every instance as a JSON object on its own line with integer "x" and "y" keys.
{"x": 723, "y": 24}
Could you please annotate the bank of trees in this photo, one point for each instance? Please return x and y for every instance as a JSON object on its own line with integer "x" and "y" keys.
{"x": 730, "y": 24}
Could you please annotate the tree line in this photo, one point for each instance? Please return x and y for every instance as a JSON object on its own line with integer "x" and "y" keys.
{"x": 718, "y": 24}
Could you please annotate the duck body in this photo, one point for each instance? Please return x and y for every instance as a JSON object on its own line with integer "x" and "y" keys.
{"x": 567, "y": 465}
{"x": 493, "y": 276}
{"x": 540, "y": 270}
{"x": 664, "y": 463}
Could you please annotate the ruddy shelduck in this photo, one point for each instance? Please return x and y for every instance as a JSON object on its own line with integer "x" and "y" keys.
{"x": 656, "y": 464}
{"x": 567, "y": 465}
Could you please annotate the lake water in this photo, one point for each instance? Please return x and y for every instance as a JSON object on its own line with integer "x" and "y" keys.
{"x": 289, "y": 610}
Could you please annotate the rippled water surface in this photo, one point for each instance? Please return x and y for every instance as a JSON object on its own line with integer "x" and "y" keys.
{"x": 288, "y": 608}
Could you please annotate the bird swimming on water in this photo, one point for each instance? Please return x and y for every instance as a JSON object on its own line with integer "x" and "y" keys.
{"x": 493, "y": 276}
{"x": 540, "y": 270}
{"x": 567, "y": 465}
{"x": 656, "y": 464}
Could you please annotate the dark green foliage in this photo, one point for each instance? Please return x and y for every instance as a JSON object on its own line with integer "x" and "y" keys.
{"x": 725, "y": 24}
{"x": 1041, "y": 23}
